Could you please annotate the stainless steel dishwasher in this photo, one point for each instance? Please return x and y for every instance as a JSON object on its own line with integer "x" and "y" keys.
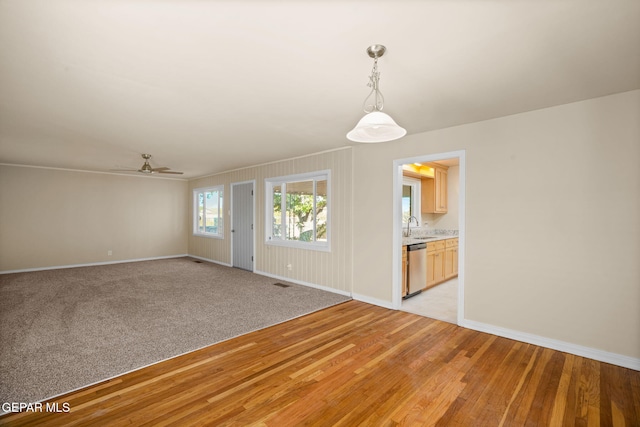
{"x": 417, "y": 268}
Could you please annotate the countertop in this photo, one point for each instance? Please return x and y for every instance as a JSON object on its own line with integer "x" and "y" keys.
{"x": 412, "y": 240}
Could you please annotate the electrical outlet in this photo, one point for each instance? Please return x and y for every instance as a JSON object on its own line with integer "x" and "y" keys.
{"x": 109, "y": 253}
{"x": 289, "y": 267}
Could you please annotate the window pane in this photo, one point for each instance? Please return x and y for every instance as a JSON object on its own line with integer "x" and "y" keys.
{"x": 276, "y": 226}
{"x": 220, "y": 217}
{"x": 321, "y": 211}
{"x": 290, "y": 216}
{"x": 201, "y": 212}
{"x": 299, "y": 211}
{"x": 406, "y": 203}
{"x": 212, "y": 212}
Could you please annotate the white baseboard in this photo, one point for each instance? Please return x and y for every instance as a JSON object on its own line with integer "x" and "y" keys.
{"x": 578, "y": 350}
{"x": 90, "y": 264}
{"x": 373, "y": 301}
{"x": 303, "y": 283}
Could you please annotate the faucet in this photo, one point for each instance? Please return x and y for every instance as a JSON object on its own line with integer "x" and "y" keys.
{"x": 408, "y": 232}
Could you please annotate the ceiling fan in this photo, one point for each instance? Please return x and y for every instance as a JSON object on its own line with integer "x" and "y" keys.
{"x": 146, "y": 168}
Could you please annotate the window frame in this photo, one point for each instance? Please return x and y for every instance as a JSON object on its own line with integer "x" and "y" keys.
{"x": 219, "y": 234}
{"x": 269, "y": 183}
{"x": 416, "y": 196}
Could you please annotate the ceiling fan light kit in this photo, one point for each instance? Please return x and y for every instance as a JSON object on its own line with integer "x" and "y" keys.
{"x": 375, "y": 126}
{"x": 147, "y": 169}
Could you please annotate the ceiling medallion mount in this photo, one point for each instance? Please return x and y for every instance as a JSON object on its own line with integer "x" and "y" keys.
{"x": 376, "y": 51}
{"x": 375, "y": 126}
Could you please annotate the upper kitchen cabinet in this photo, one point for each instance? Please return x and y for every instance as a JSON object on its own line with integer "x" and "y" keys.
{"x": 434, "y": 191}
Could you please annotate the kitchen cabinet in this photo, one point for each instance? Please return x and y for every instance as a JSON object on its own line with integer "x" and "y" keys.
{"x": 434, "y": 191}
{"x": 451, "y": 258}
{"x": 405, "y": 290}
{"x": 435, "y": 262}
{"x": 442, "y": 261}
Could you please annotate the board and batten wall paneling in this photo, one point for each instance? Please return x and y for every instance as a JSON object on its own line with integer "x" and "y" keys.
{"x": 52, "y": 217}
{"x": 328, "y": 269}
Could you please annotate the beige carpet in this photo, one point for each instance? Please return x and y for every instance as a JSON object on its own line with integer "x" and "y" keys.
{"x": 64, "y": 329}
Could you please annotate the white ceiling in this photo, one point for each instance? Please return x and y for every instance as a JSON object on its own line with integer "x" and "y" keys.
{"x": 209, "y": 86}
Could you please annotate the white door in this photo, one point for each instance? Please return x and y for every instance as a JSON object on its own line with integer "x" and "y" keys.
{"x": 242, "y": 225}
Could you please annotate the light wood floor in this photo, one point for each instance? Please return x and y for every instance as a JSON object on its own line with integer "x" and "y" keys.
{"x": 358, "y": 364}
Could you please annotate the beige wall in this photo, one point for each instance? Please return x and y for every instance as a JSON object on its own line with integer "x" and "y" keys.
{"x": 552, "y": 220}
{"x": 328, "y": 269}
{"x": 52, "y": 217}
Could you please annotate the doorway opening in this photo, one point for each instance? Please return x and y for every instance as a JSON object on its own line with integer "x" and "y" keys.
{"x": 428, "y": 197}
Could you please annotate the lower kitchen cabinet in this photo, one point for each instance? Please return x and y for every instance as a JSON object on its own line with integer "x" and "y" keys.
{"x": 451, "y": 258}
{"x": 435, "y": 262}
{"x": 442, "y": 261}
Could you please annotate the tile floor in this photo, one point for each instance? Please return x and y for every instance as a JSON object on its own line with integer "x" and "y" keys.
{"x": 439, "y": 302}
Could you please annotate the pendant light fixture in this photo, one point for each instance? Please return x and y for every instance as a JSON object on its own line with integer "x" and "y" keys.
{"x": 375, "y": 126}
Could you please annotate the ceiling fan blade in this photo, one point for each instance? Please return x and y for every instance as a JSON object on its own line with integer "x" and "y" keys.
{"x": 147, "y": 169}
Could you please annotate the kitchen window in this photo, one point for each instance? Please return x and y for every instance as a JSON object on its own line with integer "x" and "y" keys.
{"x": 207, "y": 212}
{"x": 297, "y": 210}
{"x": 411, "y": 191}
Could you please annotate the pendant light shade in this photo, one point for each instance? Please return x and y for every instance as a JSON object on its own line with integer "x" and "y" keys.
{"x": 376, "y": 127}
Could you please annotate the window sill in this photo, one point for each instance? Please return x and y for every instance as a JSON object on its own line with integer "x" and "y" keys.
{"x": 209, "y": 236}
{"x": 321, "y": 247}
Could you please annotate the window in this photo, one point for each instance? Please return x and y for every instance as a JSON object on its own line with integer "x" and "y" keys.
{"x": 410, "y": 199}
{"x": 298, "y": 210}
{"x": 208, "y": 213}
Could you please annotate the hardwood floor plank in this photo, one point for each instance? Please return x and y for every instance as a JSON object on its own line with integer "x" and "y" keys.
{"x": 560, "y": 402}
{"x": 518, "y": 389}
{"x": 455, "y": 414}
{"x": 593, "y": 396}
{"x": 545, "y": 393}
{"x": 616, "y": 384}
{"x": 524, "y": 402}
{"x": 479, "y": 378}
{"x": 570, "y": 415}
{"x": 357, "y": 364}
{"x": 635, "y": 393}
{"x": 433, "y": 399}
